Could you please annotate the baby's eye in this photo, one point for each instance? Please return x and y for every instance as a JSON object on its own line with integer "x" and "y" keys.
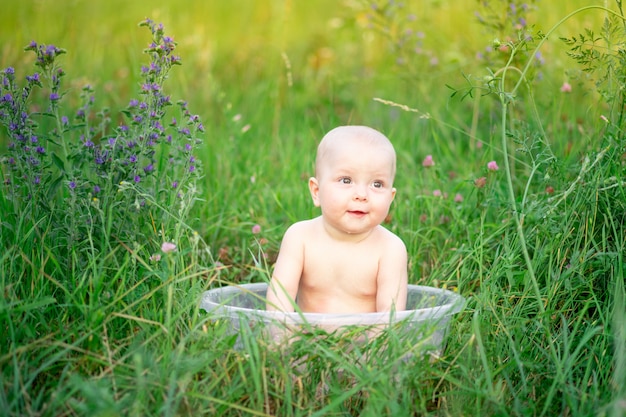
{"x": 378, "y": 184}
{"x": 345, "y": 180}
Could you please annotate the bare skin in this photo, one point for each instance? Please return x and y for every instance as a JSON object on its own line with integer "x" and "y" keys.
{"x": 344, "y": 261}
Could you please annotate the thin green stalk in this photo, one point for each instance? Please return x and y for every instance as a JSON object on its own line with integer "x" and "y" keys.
{"x": 551, "y": 31}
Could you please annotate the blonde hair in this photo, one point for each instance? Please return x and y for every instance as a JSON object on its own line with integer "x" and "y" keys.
{"x": 366, "y": 136}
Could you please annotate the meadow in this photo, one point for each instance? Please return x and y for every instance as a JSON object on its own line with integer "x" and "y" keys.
{"x": 144, "y": 164}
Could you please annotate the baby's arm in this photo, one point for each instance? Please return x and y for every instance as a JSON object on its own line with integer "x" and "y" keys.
{"x": 283, "y": 287}
{"x": 392, "y": 277}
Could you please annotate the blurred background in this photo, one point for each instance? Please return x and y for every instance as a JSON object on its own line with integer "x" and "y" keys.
{"x": 270, "y": 77}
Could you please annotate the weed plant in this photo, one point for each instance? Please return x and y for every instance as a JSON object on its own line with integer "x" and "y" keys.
{"x": 511, "y": 193}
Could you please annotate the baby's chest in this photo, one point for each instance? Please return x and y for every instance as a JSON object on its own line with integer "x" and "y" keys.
{"x": 341, "y": 267}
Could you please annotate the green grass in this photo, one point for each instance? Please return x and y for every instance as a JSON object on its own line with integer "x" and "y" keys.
{"x": 542, "y": 334}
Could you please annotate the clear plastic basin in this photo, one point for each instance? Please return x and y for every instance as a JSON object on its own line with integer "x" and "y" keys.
{"x": 427, "y": 315}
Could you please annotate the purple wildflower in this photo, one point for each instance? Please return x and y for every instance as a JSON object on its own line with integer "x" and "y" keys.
{"x": 33, "y": 79}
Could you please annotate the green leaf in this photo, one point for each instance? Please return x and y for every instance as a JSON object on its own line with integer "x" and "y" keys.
{"x": 58, "y": 162}
{"x": 54, "y": 186}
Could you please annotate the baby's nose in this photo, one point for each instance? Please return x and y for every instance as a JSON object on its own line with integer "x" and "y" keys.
{"x": 360, "y": 192}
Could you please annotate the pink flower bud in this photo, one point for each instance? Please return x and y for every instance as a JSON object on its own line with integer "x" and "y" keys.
{"x": 492, "y": 166}
{"x": 428, "y": 161}
{"x": 168, "y": 247}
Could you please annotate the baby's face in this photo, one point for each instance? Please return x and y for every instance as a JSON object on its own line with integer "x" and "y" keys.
{"x": 354, "y": 185}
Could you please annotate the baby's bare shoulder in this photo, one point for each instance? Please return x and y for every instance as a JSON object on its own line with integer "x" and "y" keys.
{"x": 388, "y": 239}
{"x": 303, "y": 227}
{"x": 300, "y": 231}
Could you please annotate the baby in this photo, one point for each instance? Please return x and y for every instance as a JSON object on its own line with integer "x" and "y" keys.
{"x": 344, "y": 261}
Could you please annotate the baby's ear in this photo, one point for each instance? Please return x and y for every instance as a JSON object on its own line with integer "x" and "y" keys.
{"x": 314, "y": 188}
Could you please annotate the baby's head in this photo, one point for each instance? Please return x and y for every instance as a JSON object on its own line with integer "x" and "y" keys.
{"x": 354, "y": 140}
